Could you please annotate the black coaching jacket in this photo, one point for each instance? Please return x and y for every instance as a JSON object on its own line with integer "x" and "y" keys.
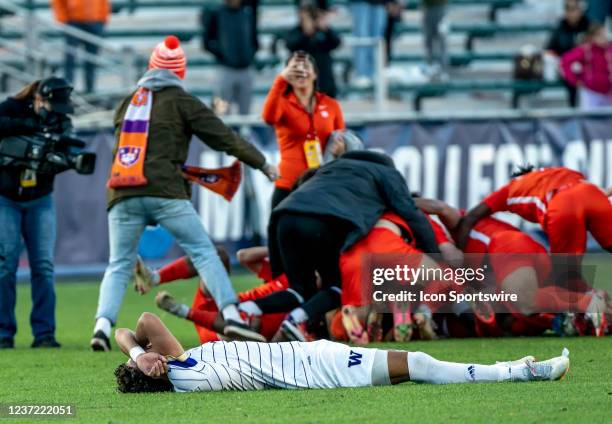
{"x": 358, "y": 187}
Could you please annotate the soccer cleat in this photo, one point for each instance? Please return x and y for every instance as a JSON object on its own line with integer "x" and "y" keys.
{"x": 235, "y": 330}
{"x": 374, "y": 327}
{"x": 595, "y": 313}
{"x": 168, "y": 303}
{"x": 143, "y": 277}
{"x": 424, "y": 322}
{"x": 353, "y": 327}
{"x": 100, "y": 342}
{"x": 550, "y": 370}
{"x": 402, "y": 326}
{"x": 296, "y": 332}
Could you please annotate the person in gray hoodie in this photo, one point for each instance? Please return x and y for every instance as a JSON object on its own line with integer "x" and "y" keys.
{"x": 175, "y": 117}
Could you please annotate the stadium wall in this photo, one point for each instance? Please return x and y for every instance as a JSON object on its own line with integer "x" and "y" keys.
{"x": 458, "y": 159}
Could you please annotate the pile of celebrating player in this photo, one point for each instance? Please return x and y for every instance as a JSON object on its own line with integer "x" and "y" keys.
{"x": 338, "y": 211}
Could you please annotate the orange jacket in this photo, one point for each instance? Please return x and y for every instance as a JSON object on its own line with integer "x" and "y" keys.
{"x": 292, "y": 123}
{"x": 82, "y": 11}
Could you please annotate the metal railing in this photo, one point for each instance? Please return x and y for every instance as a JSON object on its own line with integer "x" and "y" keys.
{"x": 35, "y": 47}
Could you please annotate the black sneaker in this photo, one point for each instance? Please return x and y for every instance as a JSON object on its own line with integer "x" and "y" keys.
{"x": 99, "y": 342}
{"x": 236, "y": 330}
{"x": 45, "y": 342}
{"x": 6, "y": 343}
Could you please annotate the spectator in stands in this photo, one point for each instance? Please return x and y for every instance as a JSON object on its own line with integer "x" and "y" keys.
{"x": 303, "y": 119}
{"x": 567, "y": 35}
{"x": 314, "y": 36}
{"x": 229, "y": 34}
{"x": 394, "y": 16}
{"x": 369, "y": 20}
{"x": 434, "y": 35}
{"x": 589, "y": 67}
{"x": 89, "y": 16}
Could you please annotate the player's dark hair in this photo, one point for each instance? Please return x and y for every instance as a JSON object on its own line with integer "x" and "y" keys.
{"x": 132, "y": 380}
{"x": 522, "y": 170}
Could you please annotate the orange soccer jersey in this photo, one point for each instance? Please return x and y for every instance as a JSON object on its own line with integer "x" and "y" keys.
{"x": 563, "y": 203}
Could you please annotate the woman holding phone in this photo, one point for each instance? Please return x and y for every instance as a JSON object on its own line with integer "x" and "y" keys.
{"x": 303, "y": 119}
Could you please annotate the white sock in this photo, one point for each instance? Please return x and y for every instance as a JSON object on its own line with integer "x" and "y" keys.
{"x": 155, "y": 278}
{"x": 426, "y": 369}
{"x": 104, "y": 325}
{"x": 298, "y": 315}
{"x": 231, "y": 312}
{"x": 250, "y": 308}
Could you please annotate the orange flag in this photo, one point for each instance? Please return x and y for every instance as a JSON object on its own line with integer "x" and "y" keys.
{"x": 223, "y": 181}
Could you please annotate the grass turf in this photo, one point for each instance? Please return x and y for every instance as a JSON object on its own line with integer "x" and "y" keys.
{"x": 75, "y": 375}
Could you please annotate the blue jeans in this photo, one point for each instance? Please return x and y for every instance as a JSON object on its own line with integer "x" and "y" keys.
{"x": 73, "y": 43}
{"x": 126, "y": 222}
{"x": 369, "y": 20}
{"x": 34, "y": 221}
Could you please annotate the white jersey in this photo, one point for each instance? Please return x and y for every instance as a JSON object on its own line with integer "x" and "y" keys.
{"x": 258, "y": 366}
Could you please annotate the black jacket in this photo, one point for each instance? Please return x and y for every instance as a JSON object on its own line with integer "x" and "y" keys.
{"x": 17, "y": 117}
{"x": 358, "y": 187}
{"x": 230, "y": 35}
{"x": 319, "y": 46}
{"x": 565, "y": 37}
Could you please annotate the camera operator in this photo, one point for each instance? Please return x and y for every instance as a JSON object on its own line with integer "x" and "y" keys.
{"x": 26, "y": 208}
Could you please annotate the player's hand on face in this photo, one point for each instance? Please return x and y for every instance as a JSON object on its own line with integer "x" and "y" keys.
{"x": 152, "y": 364}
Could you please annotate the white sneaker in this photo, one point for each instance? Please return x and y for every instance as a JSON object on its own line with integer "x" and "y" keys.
{"x": 549, "y": 370}
{"x": 143, "y": 277}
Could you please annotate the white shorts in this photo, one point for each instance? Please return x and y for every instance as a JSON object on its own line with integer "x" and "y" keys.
{"x": 338, "y": 365}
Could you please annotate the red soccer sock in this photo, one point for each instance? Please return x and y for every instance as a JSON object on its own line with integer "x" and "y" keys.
{"x": 205, "y": 319}
{"x": 557, "y": 299}
{"x": 179, "y": 269}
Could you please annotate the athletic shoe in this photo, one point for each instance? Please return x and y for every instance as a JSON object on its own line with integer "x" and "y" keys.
{"x": 143, "y": 277}
{"x": 100, "y": 342}
{"x": 6, "y": 343}
{"x": 168, "y": 303}
{"x": 424, "y": 322}
{"x": 551, "y": 369}
{"x": 45, "y": 342}
{"x": 402, "y": 326}
{"x": 236, "y": 330}
{"x": 596, "y": 313}
{"x": 374, "y": 327}
{"x": 353, "y": 327}
{"x": 296, "y": 332}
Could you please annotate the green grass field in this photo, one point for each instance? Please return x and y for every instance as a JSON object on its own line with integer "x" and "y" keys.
{"x": 75, "y": 375}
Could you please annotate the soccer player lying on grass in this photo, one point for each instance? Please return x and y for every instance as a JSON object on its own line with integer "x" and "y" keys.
{"x": 158, "y": 362}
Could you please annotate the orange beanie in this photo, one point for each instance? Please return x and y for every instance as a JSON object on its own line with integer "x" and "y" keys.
{"x": 169, "y": 55}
